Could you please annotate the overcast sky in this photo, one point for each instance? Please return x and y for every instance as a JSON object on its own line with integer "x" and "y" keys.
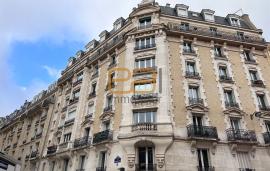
{"x": 37, "y": 37}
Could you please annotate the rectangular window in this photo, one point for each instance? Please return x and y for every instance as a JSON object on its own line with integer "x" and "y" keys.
{"x": 193, "y": 92}
{"x": 208, "y": 17}
{"x": 267, "y": 125}
{"x": 253, "y": 75}
{"x": 144, "y": 117}
{"x": 240, "y": 35}
{"x": 235, "y": 123}
{"x": 247, "y": 55}
{"x": 102, "y": 160}
{"x": 184, "y": 26}
{"x": 90, "y": 109}
{"x": 145, "y": 22}
{"x": 218, "y": 51}
{"x": 109, "y": 100}
{"x": 182, "y": 12}
{"x": 144, "y": 43}
{"x": 229, "y": 97}
{"x": 244, "y": 160}
{"x": 203, "y": 159}
{"x": 76, "y": 94}
{"x": 191, "y": 67}
{"x": 67, "y": 137}
{"x": 80, "y": 76}
{"x": 143, "y": 88}
{"x": 93, "y": 88}
{"x": 71, "y": 115}
{"x": 82, "y": 162}
{"x": 213, "y": 30}
{"x": 106, "y": 125}
{"x": 113, "y": 59}
{"x": 223, "y": 72}
{"x": 145, "y": 63}
{"x": 95, "y": 69}
{"x": 187, "y": 47}
{"x": 235, "y": 22}
{"x": 66, "y": 161}
{"x": 197, "y": 120}
{"x": 261, "y": 101}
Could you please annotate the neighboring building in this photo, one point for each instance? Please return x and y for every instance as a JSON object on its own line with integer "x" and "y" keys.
{"x": 194, "y": 95}
{"x": 8, "y": 164}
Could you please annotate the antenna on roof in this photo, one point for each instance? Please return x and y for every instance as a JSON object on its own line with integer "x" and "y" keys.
{"x": 240, "y": 10}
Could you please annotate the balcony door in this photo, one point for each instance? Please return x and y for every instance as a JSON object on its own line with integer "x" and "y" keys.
{"x": 229, "y": 97}
{"x": 235, "y": 123}
{"x": 197, "y": 124}
{"x": 267, "y": 125}
{"x": 191, "y": 68}
{"x": 261, "y": 100}
{"x": 102, "y": 160}
{"x": 203, "y": 160}
{"x": 145, "y": 159}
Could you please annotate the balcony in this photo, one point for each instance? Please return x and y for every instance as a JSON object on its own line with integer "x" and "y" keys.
{"x": 82, "y": 142}
{"x": 43, "y": 118}
{"x": 144, "y": 167}
{"x": 194, "y": 75}
{"x": 34, "y": 154}
{"x": 51, "y": 150}
{"x": 144, "y": 127}
{"x": 144, "y": 97}
{"x": 101, "y": 168}
{"x": 147, "y": 46}
{"x": 225, "y": 79}
{"x": 147, "y": 70}
{"x": 195, "y": 101}
{"x": 250, "y": 61}
{"x": 219, "y": 36}
{"x": 210, "y": 168}
{"x": 92, "y": 95}
{"x": 77, "y": 82}
{"x": 141, "y": 27}
{"x": 264, "y": 108}
{"x": 106, "y": 135}
{"x": 69, "y": 122}
{"x": 195, "y": 131}
{"x": 241, "y": 135}
{"x": 88, "y": 116}
{"x": 188, "y": 51}
{"x": 108, "y": 108}
{"x": 64, "y": 109}
{"x": 231, "y": 104}
{"x": 246, "y": 169}
{"x": 257, "y": 83}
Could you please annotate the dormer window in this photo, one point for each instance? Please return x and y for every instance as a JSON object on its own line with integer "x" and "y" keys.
{"x": 118, "y": 23}
{"x": 208, "y": 15}
{"x": 235, "y": 22}
{"x": 145, "y": 23}
{"x": 103, "y": 35}
{"x": 182, "y": 10}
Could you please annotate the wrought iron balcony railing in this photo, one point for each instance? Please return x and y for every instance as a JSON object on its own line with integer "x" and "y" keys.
{"x": 257, "y": 83}
{"x": 202, "y": 131}
{"x": 81, "y": 142}
{"x": 144, "y": 97}
{"x": 138, "y": 71}
{"x": 192, "y": 74}
{"x": 144, "y": 127}
{"x": 147, "y": 46}
{"x": 246, "y": 169}
{"x": 209, "y": 168}
{"x": 34, "y": 154}
{"x": 144, "y": 26}
{"x": 77, "y": 82}
{"x": 193, "y": 101}
{"x": 188, "y": 51}
{"x": 205, "y": 32}
{"x": 225, "y": 78}
{"x": 266, "y": 137}
{"x": 51, "y": 149}
{"x": 241, "y": 135}
{"x": 231, "y": 104}
{"x": 143, "y": 167}
{"x": 106, "y": 135}
{"x": 69, "y": 122}
{"x": 73, "y": 101}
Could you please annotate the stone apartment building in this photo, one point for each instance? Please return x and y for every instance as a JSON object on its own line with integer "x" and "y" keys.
{"x": 168, "y": 89}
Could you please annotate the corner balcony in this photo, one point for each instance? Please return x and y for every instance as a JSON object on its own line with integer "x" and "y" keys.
{"x": 144, "y": 127}
{"x": 51, "y": 150}
{"x": 100, "y": 137}
{"x": 209, "y": 168}
{"x": 231, "y": 105}
{"x": 241, "y": 135}
{"x": 144, "y": 167}
{"x": 82, "y": 142}
{"x": 195, "y": 101}
{"x": 264, "y": 108}
{"x": 147, "y": 46}
{"x": 225, "y": 79}
{"x": 194, "y": 75}
{"x": 257, "y": 83}
{"x": 207, "y": 132}
{"x": 137, "y": 98}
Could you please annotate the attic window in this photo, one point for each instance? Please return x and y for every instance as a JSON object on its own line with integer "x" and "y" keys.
{"x": 195, "y": 15}
{"x": 235, "y": 22}
{"x": 208, "y": 17}
{"x": 183, "y": 12}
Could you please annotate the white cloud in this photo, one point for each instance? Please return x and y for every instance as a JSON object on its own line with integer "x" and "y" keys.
{"x": 53, "y": 72}
{"x": 83, "y": 20}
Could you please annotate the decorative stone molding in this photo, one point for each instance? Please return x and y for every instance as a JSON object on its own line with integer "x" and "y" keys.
{"x": 193, "y": 146}
{"x": 233, "y": 149}
{"x": 160, "y": 160}
{"x": 131, "y": 160}
{"x": 214, "y": 148}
